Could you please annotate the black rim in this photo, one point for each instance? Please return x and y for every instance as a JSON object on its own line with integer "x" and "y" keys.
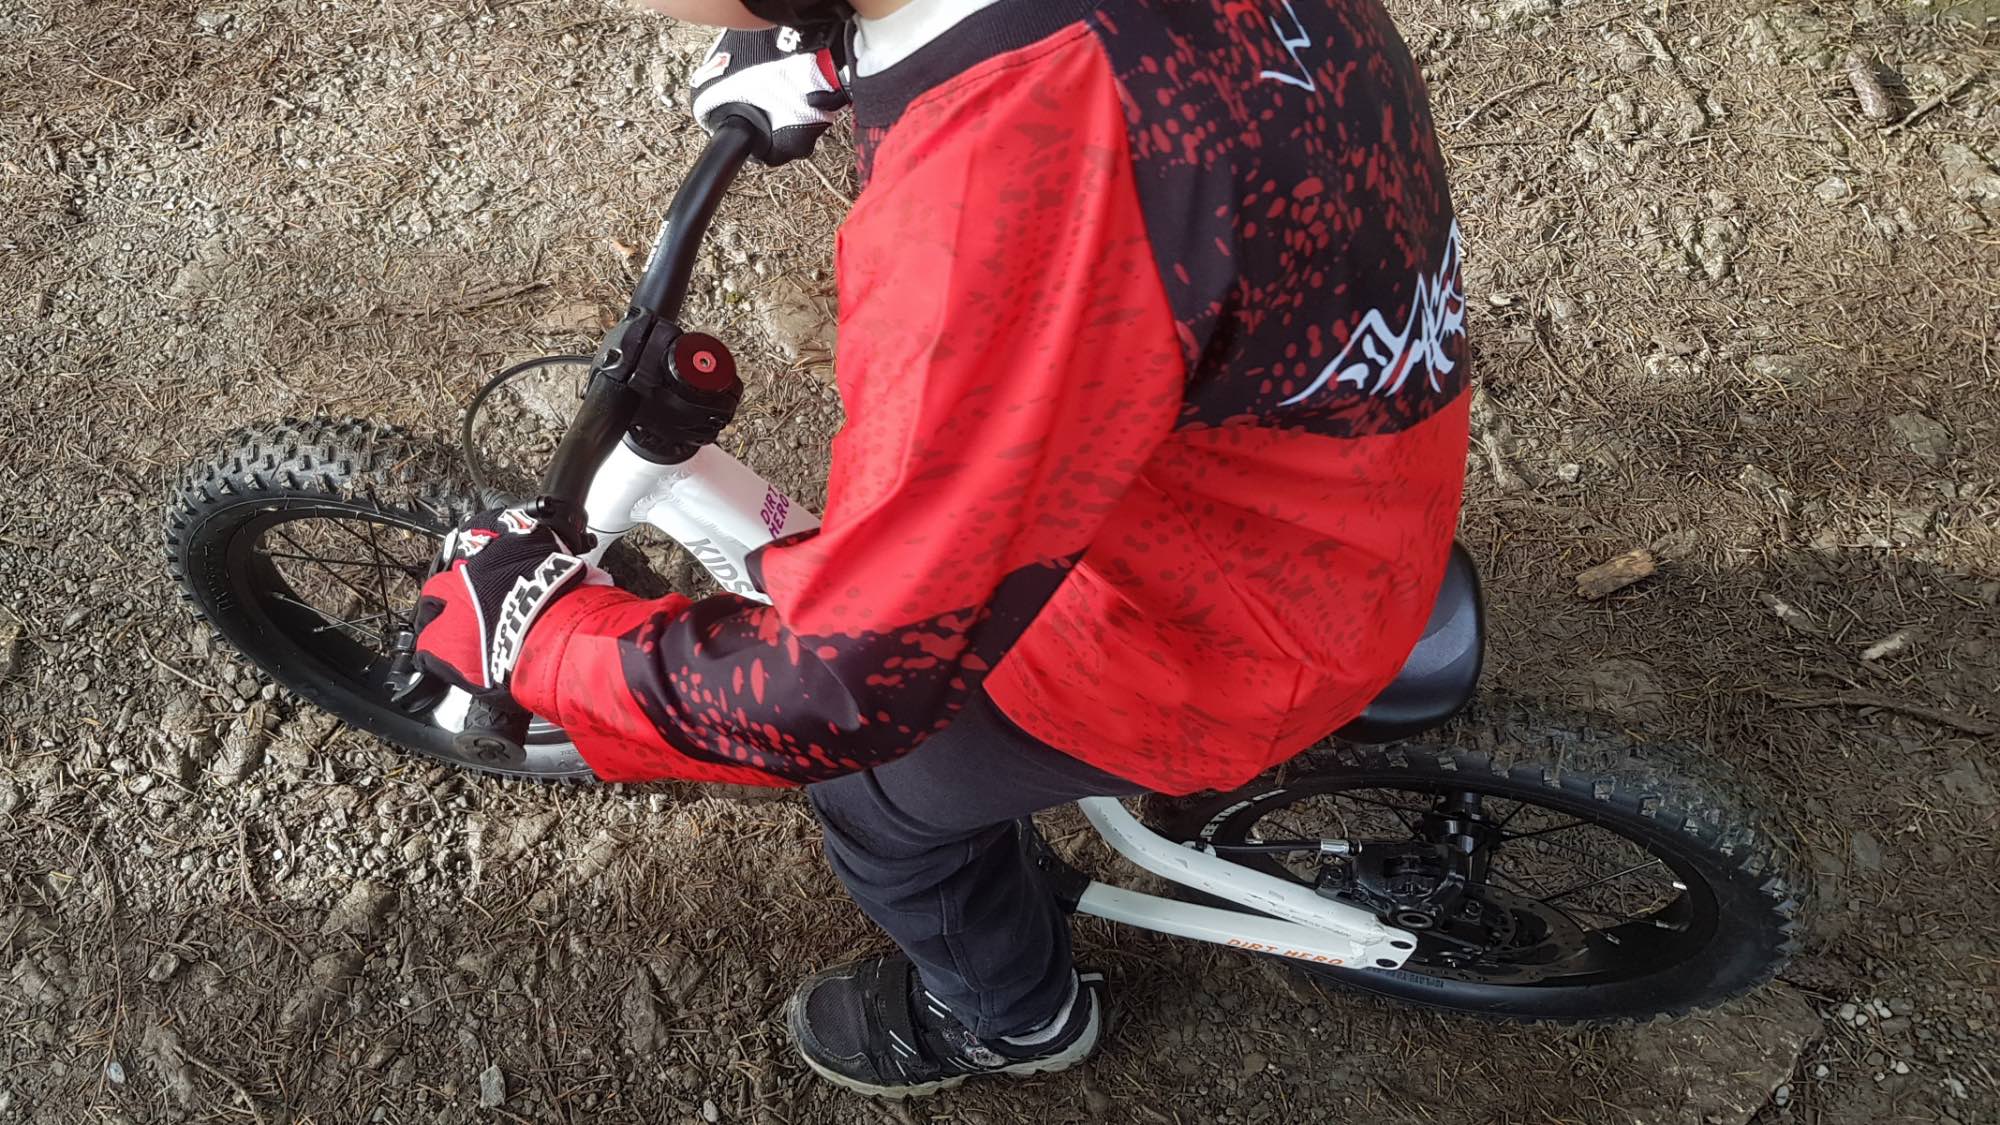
{"x": 1560, "y": 891}
{"x": 330, "y": 584}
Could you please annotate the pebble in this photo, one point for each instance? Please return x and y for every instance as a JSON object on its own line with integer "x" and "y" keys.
{"x": 1867, "y": 851}
{"x": 492, "y": 1088}
{"x": 1822, "y": 1071}
{"x": 114, "y": 1072}
{"x": 709, "y": 1113}
{"x": 1782, "y": 1096}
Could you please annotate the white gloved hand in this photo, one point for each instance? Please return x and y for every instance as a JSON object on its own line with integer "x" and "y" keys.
{"x": 765, "y": 76}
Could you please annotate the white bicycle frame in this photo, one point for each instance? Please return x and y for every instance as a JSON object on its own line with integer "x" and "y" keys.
{"x": 720, "y": 510}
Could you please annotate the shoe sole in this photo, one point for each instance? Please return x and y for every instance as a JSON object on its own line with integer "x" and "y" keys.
{"x": 1077, "y": 1052}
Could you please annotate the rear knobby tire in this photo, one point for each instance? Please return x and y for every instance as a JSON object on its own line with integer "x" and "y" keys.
{"x": 342, "y": 470}
{"x": 1668, "y": 800}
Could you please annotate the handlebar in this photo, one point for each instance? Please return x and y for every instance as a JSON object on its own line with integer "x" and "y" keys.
{"x": 495, "y": 730}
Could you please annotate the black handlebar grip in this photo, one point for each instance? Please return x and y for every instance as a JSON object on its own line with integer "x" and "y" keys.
{"x": 495, "y": 733}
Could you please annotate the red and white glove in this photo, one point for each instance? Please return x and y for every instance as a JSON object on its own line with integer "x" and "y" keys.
{"x": 502, "y": 570}
{"x": 768, "y": 77}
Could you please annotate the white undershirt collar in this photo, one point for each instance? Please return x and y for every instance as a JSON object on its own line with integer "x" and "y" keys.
{"x": 882, "y": 43}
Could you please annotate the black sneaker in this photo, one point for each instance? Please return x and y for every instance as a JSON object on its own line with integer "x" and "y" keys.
{"x": 872, "y": 1026}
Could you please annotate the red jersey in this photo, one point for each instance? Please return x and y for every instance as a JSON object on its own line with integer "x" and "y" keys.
{"x": 1153, "y": 353}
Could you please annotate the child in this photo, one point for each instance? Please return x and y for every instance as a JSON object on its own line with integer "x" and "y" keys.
{"x": 1153, "y": 352}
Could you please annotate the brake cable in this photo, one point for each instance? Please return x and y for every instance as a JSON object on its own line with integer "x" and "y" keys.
{"x": 468, "y": 448}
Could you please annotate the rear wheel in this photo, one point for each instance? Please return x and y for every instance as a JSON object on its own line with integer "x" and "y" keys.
{"x": 304, "y": 547}
{"x": 1559, "y": 877}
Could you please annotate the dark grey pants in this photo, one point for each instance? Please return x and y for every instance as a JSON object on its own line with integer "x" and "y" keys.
{"x": 927, "y": 846}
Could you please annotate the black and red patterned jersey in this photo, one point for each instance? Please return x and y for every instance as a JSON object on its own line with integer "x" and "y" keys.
{"x": 1152, "y": 346}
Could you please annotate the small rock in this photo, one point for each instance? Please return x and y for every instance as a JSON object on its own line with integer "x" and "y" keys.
{"x": 1609, "y": 577}
{"x": 709, "y": 1113}
{"x": 1900, "y": 1067}
{"x": 329, "y": 978}
{"x": 1569, "y": 472}
{"x": 1783, "y": 370}
{"x": 212, "y": 20}
{"x": 1876, "y": 105}
{"x": 524, "y": 834}
{"x": 10, "y": 642}
{"x": 573, "y": 318}
{"x": 114, "y": 1072}
{"x": 645, "y": 1030}
{"x": 1846, "y": 1013}
{"x": 242, "y": 752}
{"x": 598, "y": 854}
{"x": 1254, "y": 1063}
{"x": 1095, "y": 1101}
{"x": 1867, "y": 853}
{"x": 1785, "y": 35}
{"x": 1968, "y": 175}
{"x": 1762, "y": 482}
{"x": 165, "y": 964}
{"x": 1782, "y": 1096}
{"x": 799, "y": 323}
{"x": 162, "y": 1047}
{"x": 1833, "y": 189}
{"x": 10, "y": 798}
{"x": 1822, "y": 1071}
{"x": 1964, "y": 783}
{"x": 1921, "y": 434}
{"x": 359, "y": 910}
{"x": 1792, "y": 617}
{"x": 1625, "y": 688}
{"x": 1888, "y": 646}
{"x": 492, "y": 1088}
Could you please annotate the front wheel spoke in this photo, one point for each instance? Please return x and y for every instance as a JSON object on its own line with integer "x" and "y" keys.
{"x": 330, "y": 572}
{"x": 1551, "y": 900}
{"x": 1573, "y": 919}
{"x": 323, "y": 560}
{"x": 1571, "y": 849}
{"x": 354, "y": 624}
{"x": 381, "y": 583}
{"x": 1402, "y": 814}
{"x": 1512, "y": 883}
{"x": 1621, "y": 919}
{"x": 330, "y": 619}
{"x": 1543, "y": 831}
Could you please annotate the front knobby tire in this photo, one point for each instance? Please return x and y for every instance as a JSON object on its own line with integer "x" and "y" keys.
{"x": 303, "y": 545}
{"x": 1730, "y": 927}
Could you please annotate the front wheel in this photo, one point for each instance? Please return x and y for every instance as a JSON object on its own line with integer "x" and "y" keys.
{"x": 1593, "y": 889}
{"x": 304, "y": 545}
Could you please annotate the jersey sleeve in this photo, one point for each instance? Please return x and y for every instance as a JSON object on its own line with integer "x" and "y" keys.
{"x": 1008, "y": 362}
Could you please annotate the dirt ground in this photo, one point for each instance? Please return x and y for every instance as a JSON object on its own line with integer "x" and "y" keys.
{"x": 1733, "y": 304}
